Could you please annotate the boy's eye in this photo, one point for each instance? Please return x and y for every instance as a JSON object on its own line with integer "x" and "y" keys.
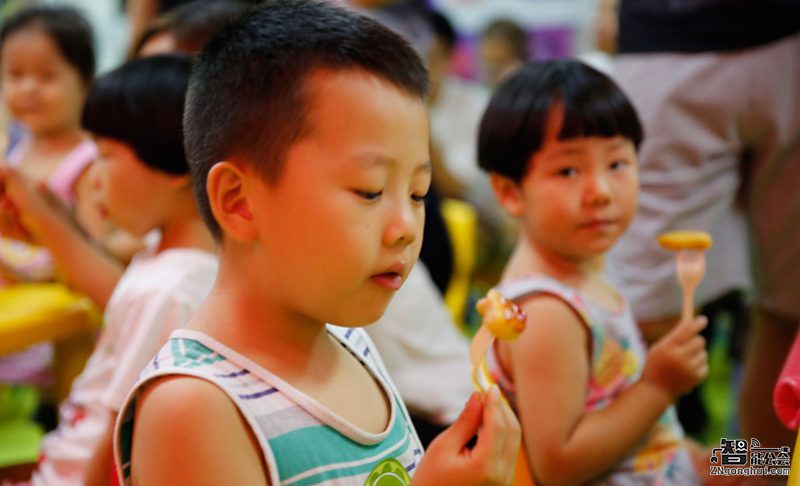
{"x": 419, "y": 197}
{"x": 567, "y": 172}
{"x": 368, "y": 195}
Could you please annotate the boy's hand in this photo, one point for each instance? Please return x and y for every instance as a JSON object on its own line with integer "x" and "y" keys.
{"x": 678, "y": 362}
{"x": 448, "y": 460}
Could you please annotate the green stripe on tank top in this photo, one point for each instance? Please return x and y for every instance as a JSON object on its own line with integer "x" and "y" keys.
{"x": 188, "y": 353}
{"x": 291, "y": 449}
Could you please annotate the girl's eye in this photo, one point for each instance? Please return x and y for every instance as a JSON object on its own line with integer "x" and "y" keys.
{"x": 618, "y": 164}
{"x": 369, "y": 196}
{"x": 567, "y": 172}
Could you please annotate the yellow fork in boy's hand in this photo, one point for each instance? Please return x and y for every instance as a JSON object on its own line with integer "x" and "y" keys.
{"x": 504, "y": 320}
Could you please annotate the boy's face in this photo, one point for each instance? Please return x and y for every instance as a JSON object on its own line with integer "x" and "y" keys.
{"x": 579, "y": 195}
{"x": 134, "y": 196}
{"x": 342, "y": 227}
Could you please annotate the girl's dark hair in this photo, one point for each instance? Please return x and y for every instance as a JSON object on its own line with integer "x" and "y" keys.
{"x": 513, "y": 125}
{"x": 141, "y": 105}
{"x": 66, "y": 26}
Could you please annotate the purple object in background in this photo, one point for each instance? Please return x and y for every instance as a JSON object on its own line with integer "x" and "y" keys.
{"x": 551, "y": 43}
{"x": 544, "y": 43}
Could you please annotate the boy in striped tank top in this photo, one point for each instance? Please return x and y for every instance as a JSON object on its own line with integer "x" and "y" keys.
{"x": 307, "y": 134}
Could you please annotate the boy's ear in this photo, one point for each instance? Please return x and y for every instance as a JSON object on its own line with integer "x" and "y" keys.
{"x": 229, "y": 198}
{"x": 508, "y": 193}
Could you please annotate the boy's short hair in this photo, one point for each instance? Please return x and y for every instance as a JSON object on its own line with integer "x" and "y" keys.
{"x": 68, "y": 28}
{"x": 513, "y": 126}
{"x": 141, "y": 104}
{"x": 247, "y": 99}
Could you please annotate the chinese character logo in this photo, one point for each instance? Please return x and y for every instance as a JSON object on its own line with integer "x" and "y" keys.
{"x": 768, "y": 456}
{"x": 730, "y": 453}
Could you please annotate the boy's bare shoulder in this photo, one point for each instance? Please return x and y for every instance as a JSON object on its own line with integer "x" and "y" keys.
{"x": 184, "y": 395}
{"x": 188, "y": 431}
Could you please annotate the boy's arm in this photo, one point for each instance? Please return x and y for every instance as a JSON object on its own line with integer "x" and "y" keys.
{"x": 187, "y": 431}
{"x": 550, "y": 363}
{"x": 102, "y": 461}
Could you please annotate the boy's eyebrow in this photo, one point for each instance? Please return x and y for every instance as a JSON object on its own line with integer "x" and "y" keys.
{"x": 369, "y": 160}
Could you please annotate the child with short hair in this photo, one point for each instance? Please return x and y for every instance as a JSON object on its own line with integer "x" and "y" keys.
{"x": 559, "y": 140}
{"x": 307, "y": 136}
{"x": 135, "y": 114}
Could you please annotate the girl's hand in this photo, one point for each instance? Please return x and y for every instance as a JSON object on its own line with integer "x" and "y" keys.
{"x": 32, "y": 204}
{"x": 448, "y": 460}
{"x": 10, "y": 221}
{"x": 678, "y": 361}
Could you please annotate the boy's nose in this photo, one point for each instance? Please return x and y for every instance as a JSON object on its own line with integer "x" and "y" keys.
{"x": 404, "y": 226}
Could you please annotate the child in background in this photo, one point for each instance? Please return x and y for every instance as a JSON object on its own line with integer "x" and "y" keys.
{"x": 46, "y": 65}
{"x": 135, "y": 115}
{"x": 559, "y": 140}
{"x": 307, "y": 135}
{"x": 186, "y": 27}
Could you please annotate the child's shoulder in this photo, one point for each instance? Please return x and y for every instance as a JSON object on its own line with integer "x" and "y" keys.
{"x": 171, "y": 272}
{"x": 537, "y": 284}
{"x": 203, "y": 417}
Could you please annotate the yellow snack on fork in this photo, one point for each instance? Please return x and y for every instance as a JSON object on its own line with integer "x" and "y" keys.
{"x": 690, "y": 259}
{"x": 685, "y": 240}
{"x": 503, "y": 317}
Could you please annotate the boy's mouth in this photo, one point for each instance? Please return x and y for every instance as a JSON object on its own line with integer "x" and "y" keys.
{"x": 390, "y": 280}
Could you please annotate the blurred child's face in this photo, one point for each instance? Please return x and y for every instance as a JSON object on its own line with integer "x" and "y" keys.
{"x": 161, "y": 43}
{"x": 134, "y": 195}
{"x": 497, "y": 59}
{"x": 579, "y": 195}
{"x": 42, "y": 90}
{"x": 342, "y": 226}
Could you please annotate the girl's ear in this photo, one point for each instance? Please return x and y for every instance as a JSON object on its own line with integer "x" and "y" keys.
{"x": 229, "y": 195}
{"x": 508, "y": 193}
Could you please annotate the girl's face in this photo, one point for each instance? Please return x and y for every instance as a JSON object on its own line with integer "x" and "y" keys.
{"x": 579, "y": 195}
{"x": 41, "y": 89}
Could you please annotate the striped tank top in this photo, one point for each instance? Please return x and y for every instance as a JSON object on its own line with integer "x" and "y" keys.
{"x": 302, "y": 442}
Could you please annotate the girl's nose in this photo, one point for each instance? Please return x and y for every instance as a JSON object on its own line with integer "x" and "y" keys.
{"x": 28, "y": 84}
{"x": 598, "y": 190}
